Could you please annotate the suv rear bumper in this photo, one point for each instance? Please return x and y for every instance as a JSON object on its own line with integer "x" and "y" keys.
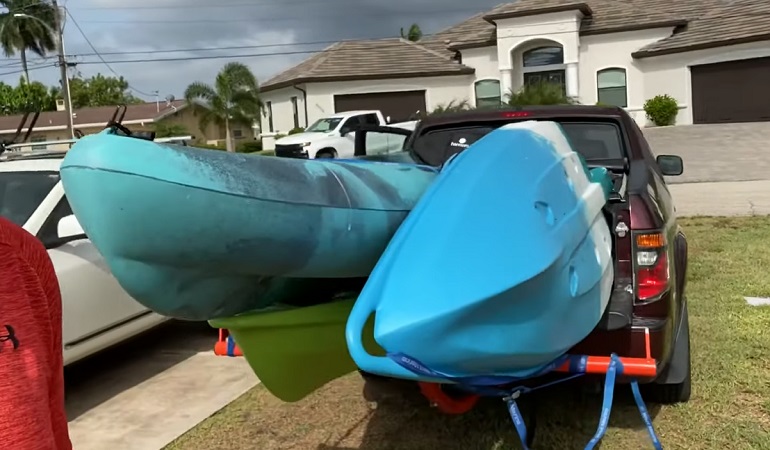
{"x": 630, "y": 341}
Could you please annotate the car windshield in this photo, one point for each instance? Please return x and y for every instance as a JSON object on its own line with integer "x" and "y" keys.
{"x": 595, "y": 141}
{"x": 324, "y": 125}
{"x": 22, "y": 192}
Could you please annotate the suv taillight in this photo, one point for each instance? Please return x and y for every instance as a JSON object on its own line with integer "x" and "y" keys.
{"x": 651, "y": 266}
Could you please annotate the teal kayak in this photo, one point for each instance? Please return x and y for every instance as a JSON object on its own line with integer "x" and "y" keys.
{"x": 199, "y": 234}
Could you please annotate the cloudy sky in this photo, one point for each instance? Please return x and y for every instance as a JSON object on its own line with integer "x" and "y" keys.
{"x": 120, "y": 30}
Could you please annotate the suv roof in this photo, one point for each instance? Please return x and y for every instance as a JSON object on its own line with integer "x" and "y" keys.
{"x": 524, "y": 111}
{"x": 34, "y": 154}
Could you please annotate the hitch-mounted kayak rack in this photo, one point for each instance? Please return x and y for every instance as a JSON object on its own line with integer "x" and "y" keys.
{"x": 574, "y": 365}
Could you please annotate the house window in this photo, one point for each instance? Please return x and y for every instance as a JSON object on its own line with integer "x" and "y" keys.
{"x": 295, "y": 110}
{"x": 611, "y": 87}
{"x": 487, "y": 93}
{"x": 543, "y": 56}
{"x": 237, "y": 133}
{"x": 270, "y": 116}
{"x": 544, "y": 65}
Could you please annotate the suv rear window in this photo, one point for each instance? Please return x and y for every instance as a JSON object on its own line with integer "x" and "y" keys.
{"x": 22, "y": 192}
{"x": 596, "y": 141}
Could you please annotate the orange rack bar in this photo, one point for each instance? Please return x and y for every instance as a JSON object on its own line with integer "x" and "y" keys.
{"x": 632, "y": 367}
{"x": 225, "y": 345}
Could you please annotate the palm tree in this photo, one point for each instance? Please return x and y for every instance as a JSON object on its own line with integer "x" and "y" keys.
{"x": 22, "y": 34}
{"x": 414, "y": 33}
{"x": 234, "y": 98}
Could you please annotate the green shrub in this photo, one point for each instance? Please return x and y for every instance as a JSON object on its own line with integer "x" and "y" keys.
{"x": 266, "y": 153}
{"x": 661, "y": 110}
{"x": 296, "y": 130}
{"x": 540, "y": 94}
{"x": 249, "y": 146}
{"x": 279, "y": 136}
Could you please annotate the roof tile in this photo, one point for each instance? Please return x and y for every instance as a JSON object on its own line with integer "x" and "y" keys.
{"x": 143, "y": 111}
{"x": 380, "y": 58}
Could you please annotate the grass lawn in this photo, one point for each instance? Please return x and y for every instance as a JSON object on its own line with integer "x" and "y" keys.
{"x": 730, "y": 407}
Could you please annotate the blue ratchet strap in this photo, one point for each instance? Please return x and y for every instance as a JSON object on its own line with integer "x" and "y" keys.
{"x": 609, "y": 389}
{"x": 487, "y": 386}
{"x": 230, "y": 346}
{"x": 645, "y": 415}
{"x": 415, "y": 366}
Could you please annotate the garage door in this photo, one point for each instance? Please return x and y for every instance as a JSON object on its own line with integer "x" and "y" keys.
{"x": 400, "y": 106}
{"x": 735, "y": 91}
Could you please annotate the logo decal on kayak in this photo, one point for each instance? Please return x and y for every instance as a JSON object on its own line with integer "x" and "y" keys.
{"x": 460, "y": 143}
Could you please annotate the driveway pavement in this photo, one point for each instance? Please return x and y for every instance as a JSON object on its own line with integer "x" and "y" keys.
{"x": 724, "y": 152}
{"x": 728, "y": 198}
{"x": 146, "y": 393}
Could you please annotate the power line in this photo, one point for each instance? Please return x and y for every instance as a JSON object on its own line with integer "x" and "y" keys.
{"x": 214, "y": 5}
{"x": 293, "y": 18}
{"x": 96, "y": 52}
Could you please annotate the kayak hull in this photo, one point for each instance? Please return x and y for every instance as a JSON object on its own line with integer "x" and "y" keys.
{"x": 502, "y": 267}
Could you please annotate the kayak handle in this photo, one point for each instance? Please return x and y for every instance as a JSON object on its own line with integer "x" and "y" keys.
{"x": 379, "y": 365}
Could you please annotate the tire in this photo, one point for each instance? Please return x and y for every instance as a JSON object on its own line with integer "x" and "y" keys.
{"x": 326, "y": 153}
{"x": 666, "y": 392}
{"x": 378, "y": 388}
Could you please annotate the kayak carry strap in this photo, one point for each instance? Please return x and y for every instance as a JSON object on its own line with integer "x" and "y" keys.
{"x": 490, "y": 386}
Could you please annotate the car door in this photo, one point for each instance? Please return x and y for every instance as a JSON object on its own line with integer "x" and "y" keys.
{"x": 379, "y": 143}
{"x": 93, "y": 302}
{"x": 348, "y": 130}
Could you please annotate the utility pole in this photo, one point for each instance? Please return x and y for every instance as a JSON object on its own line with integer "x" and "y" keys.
{"x": 65, "y": 84}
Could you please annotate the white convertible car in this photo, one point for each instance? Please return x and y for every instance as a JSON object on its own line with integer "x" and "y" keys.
{"x": 97, "y": 312}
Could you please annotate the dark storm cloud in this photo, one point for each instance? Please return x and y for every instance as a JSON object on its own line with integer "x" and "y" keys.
{"x": 196, "y": 24}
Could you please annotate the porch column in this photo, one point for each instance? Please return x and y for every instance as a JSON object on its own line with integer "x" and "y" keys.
{"x": 572, "y": 80}
{"x": 505, "y": 83}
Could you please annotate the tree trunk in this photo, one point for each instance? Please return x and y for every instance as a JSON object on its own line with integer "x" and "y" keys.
{"x": 228, "y": 140}
{"x": 24, "y": 65}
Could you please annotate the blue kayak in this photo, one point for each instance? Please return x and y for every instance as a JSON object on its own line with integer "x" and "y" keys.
{"x": 501, "y": 268}
{"x": 200, "y": 234}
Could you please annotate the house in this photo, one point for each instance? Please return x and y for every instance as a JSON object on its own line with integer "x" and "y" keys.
{"x": 52, "y": 125}
{"x": 712, "y": 56}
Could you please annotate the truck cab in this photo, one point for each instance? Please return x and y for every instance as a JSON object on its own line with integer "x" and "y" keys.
{"x": 333, "y": 136}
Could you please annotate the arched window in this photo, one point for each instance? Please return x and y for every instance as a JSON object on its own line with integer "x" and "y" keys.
{"x": 611, "y": 87}
{"x": 543, "y": 56}
{"x": 487, "y": 93}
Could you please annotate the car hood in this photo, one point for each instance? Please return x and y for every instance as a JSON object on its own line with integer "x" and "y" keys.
{"x": 301, "y": 138}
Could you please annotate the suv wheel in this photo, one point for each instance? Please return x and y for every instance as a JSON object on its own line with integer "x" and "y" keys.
{"x": 665, "y": 392}
{"x": 326, "y": 153}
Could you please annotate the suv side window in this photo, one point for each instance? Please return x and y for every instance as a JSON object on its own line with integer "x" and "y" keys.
{"x": 370, "y": 119}
{"x": 49, "y": 231}
{"x": 349, "y": 124}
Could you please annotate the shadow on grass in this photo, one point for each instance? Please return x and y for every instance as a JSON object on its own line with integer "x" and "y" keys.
{"x": 566, "y": 418}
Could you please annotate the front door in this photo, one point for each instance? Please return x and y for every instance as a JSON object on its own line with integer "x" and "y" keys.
{"x": 551, "y": 76}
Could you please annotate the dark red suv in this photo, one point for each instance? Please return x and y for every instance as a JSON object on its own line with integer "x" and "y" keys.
{"x": 650, "y": 249}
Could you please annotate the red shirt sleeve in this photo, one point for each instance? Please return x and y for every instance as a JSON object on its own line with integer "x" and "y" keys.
{"x": 32, "y": 414}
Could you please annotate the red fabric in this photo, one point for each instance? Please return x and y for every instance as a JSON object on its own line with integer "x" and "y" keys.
{"x": 32, "y": 415}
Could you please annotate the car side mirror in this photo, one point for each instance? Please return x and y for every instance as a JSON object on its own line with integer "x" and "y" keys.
{"x": 344, "y": 132}
{"x": 69, "y": 228}
{"x": 670, "y": 165}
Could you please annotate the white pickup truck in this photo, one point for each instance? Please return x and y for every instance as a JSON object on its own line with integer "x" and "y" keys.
{"x": 333, "y": 136}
